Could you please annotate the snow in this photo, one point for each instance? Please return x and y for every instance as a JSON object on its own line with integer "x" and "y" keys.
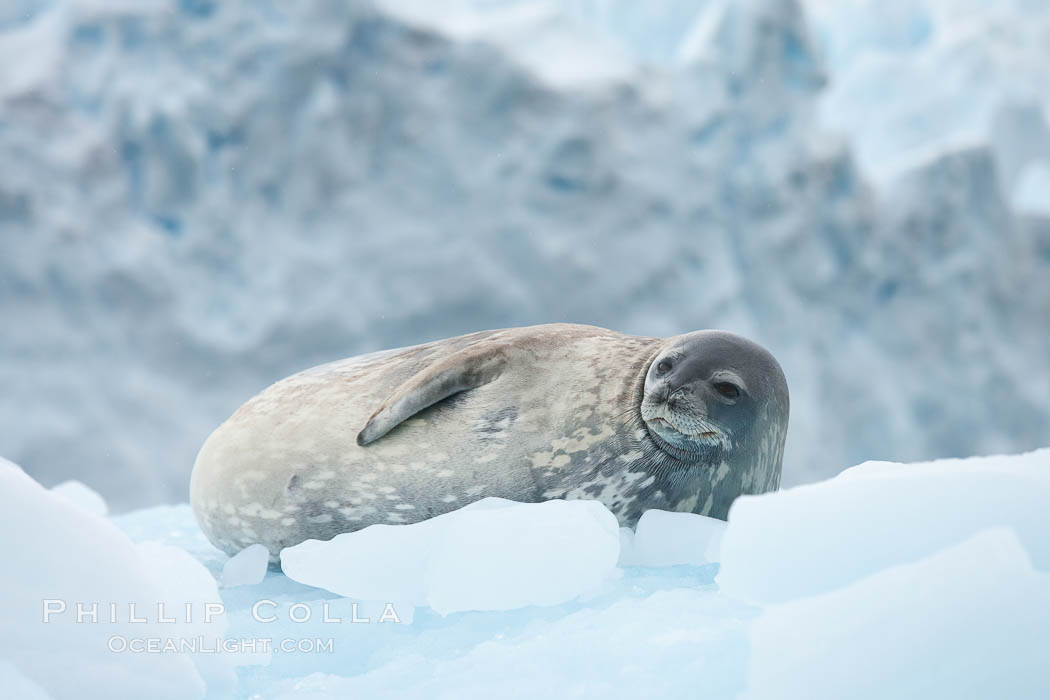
{"x": 917, "y": 581}
{"x": 492, "y": 555}
{"x": 197, "y": 199}
{"x": 247, "y": 567}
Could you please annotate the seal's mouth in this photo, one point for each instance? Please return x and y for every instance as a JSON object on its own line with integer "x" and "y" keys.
{"x": 682, "y": 434}
{"x": 666, "y": 425}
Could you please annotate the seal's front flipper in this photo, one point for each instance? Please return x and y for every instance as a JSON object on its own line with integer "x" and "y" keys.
{"x": 469, "y": 368}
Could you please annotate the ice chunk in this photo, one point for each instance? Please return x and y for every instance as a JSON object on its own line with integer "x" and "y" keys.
{"x": 627, "y": 556}
{"x": 492, "y": 556}
{"x": 380, "y": 562}
{"x": 247, "y": 567}
{"x": 8, "y": 465}
{"x": 663, "y": 538}
{"x": 16, "y": 685}
{"x": 82, "y": 496}
{"x": 188, "y": 593}
{"x": 653, "y": 647}
{"x": 63, "y": 562}
{"x": 816, "y": 538}
{"x": 920, "y": 629}
{"x": 971, "y": 621}
{"x": 531, "y": 554}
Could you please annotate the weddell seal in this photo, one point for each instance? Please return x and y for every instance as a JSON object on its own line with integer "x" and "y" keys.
{"x": 554, "y": 411}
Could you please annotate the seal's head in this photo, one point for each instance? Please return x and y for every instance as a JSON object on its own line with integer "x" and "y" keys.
{"x": 713, "y": 396}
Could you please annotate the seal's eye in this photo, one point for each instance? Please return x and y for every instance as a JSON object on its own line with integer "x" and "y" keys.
{"x": 728, "y": 390}
{"x": 663, "y": 366}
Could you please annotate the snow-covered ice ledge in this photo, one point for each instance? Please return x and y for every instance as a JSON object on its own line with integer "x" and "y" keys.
{"x": 889, "y": 581}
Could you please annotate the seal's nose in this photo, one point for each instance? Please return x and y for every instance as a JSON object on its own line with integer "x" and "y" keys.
{"x": 676, "y": 399}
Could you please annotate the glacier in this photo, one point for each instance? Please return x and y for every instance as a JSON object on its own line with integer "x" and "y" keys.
{"x": 924, "y": 580}
{"x": 199, "y": 198}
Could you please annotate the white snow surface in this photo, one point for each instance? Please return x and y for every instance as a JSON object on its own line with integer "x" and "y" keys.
{"x": 922, "y": 581}
{"x": 199, "y": 198}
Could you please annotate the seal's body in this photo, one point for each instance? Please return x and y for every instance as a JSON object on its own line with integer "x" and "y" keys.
{"x": 530, "y": 414}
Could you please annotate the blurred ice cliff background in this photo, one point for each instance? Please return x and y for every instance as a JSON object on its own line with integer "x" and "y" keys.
{"x": 198, "y": 198}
